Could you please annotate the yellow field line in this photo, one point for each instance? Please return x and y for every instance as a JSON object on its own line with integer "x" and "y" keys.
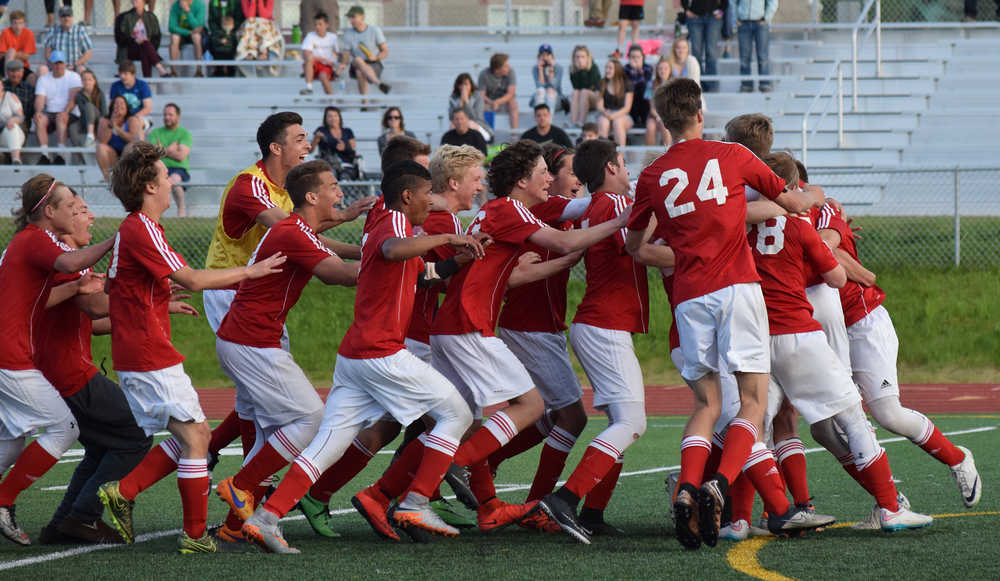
{"x": 743, "y": 557}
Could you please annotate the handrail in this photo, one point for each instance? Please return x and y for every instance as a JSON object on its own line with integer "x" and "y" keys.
{"x": 840, "y": 110}
{"x": 875, "y": 25}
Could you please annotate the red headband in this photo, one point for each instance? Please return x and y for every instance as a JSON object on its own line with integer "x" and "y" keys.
{"x": 45, "y": 197}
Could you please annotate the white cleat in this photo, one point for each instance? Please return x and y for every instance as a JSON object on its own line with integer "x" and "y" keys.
{"x": 902, "y": 519}
{"x": 967, "y": 478}
{"x": 735, "y": 531}
{"x": 415, "y": 511}
{"x": 671, "y": 484}
{"x": 873, "y": 521}
{"x": 262, "y": 528}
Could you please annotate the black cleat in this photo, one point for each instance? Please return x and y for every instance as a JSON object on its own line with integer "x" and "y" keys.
{"x": 560, "y": 511}
{"x": 686, "y": 518}
{"x": 711, "y": 498}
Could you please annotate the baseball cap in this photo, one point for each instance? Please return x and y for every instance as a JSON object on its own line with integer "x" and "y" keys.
{"x": 545, "y": 48}
{"x": 65, "y": 11}
{"x": 355, "y": 10}
{"x": 15, "y": 65}
{"x": 57, "y": 56}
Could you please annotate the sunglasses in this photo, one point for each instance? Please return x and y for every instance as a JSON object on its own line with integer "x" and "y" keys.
{"x": 394, "y": 117}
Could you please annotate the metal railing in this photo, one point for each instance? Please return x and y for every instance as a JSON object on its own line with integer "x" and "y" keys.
{"x": 838, "y": 69}
{"x": 875, "y": 25}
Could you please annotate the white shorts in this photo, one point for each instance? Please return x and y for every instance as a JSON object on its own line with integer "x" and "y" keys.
{"x": 28, "y": 402}
{"x": 827, "y": 310}
{"x": 874, "y": 347}
{"x": 482, "y": 368}
{"x": 806, "y": 369}
{"x": 730, "y": 405}
{"x": 545, "y": 357}
{"x": 608, "y": 358}
{"x": 724, "y": 330}
{"x": 275, "y": 385}
{"x": 365, "y": 389}
{"x": 419, "y": 349}
{"x": 157, "y": 396}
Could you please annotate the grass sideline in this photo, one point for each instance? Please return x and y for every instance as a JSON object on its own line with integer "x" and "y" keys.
{"x": 648, "y": 550}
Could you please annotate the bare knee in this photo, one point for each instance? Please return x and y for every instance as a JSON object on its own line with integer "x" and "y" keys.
{"x": 572, "y": 418}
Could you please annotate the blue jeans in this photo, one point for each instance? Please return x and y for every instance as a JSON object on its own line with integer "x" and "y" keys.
{"x": 705, "y": 33}
{"x": 751, "y": 33}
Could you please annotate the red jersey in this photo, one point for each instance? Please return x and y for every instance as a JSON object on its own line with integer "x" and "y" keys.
{"x": 425, "y": 304}
{"x": 383, "y": 306}
{"x": 617, "y": 295}
{"x": 674, "y": 338}
{"x": 696, "y": 190}
{"x": 540, "y": 306}
{"x": 374, "y": 214}
{"x": 258, "y": 312}
{"x": 140, "y": 296}
{"x": 787, "y": 250}
{"x": 248, "y": 196}
{"x": 856, "y": 299}
{"x": 27, "y": 269}
{"x": 472, "y": 302}
{"x": 64, "y": 331}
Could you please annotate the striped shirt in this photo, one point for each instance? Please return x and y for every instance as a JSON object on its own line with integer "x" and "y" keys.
{"x": 73, "y": 42}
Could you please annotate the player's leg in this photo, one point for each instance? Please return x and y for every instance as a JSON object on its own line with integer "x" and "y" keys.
{"x": 790, "y": 452}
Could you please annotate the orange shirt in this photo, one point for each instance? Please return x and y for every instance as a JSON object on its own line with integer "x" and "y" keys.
{"x": 25, "y": 42}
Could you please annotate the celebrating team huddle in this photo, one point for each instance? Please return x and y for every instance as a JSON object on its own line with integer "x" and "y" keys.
{"x": 751, "y": 256}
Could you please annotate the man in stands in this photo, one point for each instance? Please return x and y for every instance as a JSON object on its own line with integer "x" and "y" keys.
{"x": 15, "y": 82}
{"x": 498, "y": 84}
{"x": 187, "y": 25}
{"x": 462, "y": 133}
{"x": 176, "y": 142}
{"x": 18, "y": 43}
{"x": 70, "y": 40}
{"x": 544, "y": 131}
{"x": 753, "y": 18}
{"x": 136, "y": 91}
{"x": 55, "y": 101}
{"x": 364, "y": 50}
{"x": 320, "y": 50}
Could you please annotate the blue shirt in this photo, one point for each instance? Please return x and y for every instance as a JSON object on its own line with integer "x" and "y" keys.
{"x": 134, "y": 96}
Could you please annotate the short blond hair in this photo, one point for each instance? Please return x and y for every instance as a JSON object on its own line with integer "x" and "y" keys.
{"x": 783, "y": 165}
{"x": 453, "y": 162}
{"x": 753, "y": 131}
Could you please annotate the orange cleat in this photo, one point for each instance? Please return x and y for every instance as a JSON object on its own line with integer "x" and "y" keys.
{"x": 241, "y": 501}
{"x": 497, "y": 514}
{"x": 373, "y": 505}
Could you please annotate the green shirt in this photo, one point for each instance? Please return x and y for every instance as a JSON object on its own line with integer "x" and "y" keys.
{"x": 163, "y": 136}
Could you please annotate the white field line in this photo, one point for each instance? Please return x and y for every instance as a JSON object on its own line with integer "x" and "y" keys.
{"x": 510, "y": 488}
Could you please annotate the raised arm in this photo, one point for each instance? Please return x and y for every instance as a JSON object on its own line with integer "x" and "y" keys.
{"x": 406, "y": 248}
{"x": 531, "y": 267}
{"x": 197, "y": 280}
{"x": 82, "y": 259}
{"x": 763, "y": 210}
{"x": 800, "y": 201}
{"x": 565, "y": 242}
{"x": 333, "y": 270}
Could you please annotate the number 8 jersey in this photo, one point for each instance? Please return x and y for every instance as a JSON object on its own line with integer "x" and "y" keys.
{"x": 696, "y": 191}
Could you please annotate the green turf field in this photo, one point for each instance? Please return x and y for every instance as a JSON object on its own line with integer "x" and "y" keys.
{"x": 959, "y": 545}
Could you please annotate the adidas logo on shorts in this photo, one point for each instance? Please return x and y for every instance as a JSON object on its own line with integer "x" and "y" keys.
{"x": 886, "y": 384}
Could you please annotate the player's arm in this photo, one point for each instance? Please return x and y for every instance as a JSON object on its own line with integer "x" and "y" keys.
{"x": 656, "y": 255}
{"x": 95, "y": 306}
{"x": 77, "y": 260}
{"x": 333, "y": 270}
{"x": 396, "y": 249}
{"x": 201, "y": 279}
{"x": 852, "y": 268}
{"x": 801, "y": 200}
{"x": 565, "y": 242}
{"x": 101, "y": 326}
{"x": 86, "y": 285}
{"x": 836, "y": 277}
{"x": 575, "y": 209}
{"x": 530, "y": 267}
{"x": 763, "y": 210}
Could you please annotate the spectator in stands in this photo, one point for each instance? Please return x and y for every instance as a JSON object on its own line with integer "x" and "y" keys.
{"x": 177, "y": 142}
{"x": 217, "y": 12}
{"x": 50, "y": 10}
{"x": 544, "y": 131}
{"x": 18, "y": 42}
{"x": 321, "y": 50}
{"x": 150, "y": 5}
{"x": 704, "y": 23}
{"x": 614, "y": 103}
{"x": 136, "y": 92}
{"x": 11, "y": 118}
{"x": 55, "y": 100}
{"x": 15, "y": 82}
{"x": 392, "y": 126}
{"x": 682, "y": 63}
{"x": 69, "y": 39}
{"x": 629, "y": 12}
{"x": 548, "y": 79}
{"x": 114, "y": 132}
{"x": 361, "y": 41}
{"x": 971, "y": 13}
{"x": 223, "y": 46}
{"x": 587, "y": 132}
{"x": 137, "y": 35}
{"x": 641, "y": 76}
{"x": 586, "y": 80}
{"x": 258, "y": 9}
{"x": 260, "y": 38}
{"x": 310, "y": 8}
{"x": 598, "y": 13}
{"x": 753, "y": 31}
{"x": 462, "y": 133}
{"x": 92, "y": 105}
{"x": 654, "y": 125}
{"x": 498, "y": 85}
{"x": 465, "y": 96}
{"x": 187, "y": 25}
{"x": 336, "y": 144}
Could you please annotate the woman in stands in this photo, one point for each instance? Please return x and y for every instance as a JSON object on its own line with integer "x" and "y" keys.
{"x": 615, "y": 103}
{"x": 586, "y": 80}
{"x": 682, "y": 62}
{"x": 392, "y": 125}
{"x": 654, "y": 125}
{"x": 92, "y": 103}
{"x": 11, "y": 118}
{"x": 114, "y": 132}
{"x": 466, "y": 96}
{"x": 336, "y": 144}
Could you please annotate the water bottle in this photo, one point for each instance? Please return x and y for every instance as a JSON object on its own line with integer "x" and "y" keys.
{"x": 296, "y": 34}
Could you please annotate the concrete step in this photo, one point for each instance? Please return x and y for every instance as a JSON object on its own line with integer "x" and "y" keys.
{"x": 828, "y": 139}
{"x": 870, "y": 85}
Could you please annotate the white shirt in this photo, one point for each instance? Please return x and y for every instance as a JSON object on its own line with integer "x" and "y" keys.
{"x": 324, "y": 47}
{"x": 56, "y": 91}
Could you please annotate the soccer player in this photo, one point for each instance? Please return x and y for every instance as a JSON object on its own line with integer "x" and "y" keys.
{"x": 150, "y": 370}
{"x": 285, "y": 404}
{"x": 375, "y": 374}
{"x": 696, "y": 190}
{"x": 464, "y": 347}
{"x": 27, "y": 400}
{"x": 615, "y": 305}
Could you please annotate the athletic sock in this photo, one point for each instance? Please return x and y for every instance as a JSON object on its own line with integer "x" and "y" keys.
{"x": 741, "y": 498}
{"x": 792, "y": 460}
{"x": 437, "y": 457}
{"x": 193, "y": 482}
{"x": 398, "y": 476}
{"x": 527, "y": 439}
{"x": 343, "y": 471}
{"x": 600, "y": 495}
{"x": 876, "y": 478}
{"x": 158, "y": 463}
{"x": 593, "y": 467}
{"x": 551, "y": 462}
{"x": 936, "y": 444}
{"x": 264, "y": 463}
{"x": 225, "y": 433}
{"x": 293, "y": 487}
{"x": 740, "y": 438}
{"x": 694, "y": 454}
{"x": 248, "y": 435}
{"x": 712, "y": 463}
{"x": 33, "y": 462}
{"x": 481, "y": 482}
{"x": 763, "y": 473}
{"x": 495, "y": 433}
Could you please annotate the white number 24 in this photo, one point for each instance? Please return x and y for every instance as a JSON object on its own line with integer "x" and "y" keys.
{"x": 710, "y": 187}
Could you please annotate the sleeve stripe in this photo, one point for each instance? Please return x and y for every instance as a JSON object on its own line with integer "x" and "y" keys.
{"x": 526, "y": 214}
{"x": 399, "y": 224}
{"x": 312, "y": 238}
{"x": 259, "y": 191}
{"x": 457, "y": 223}
{"x": 169, "y": 256}
{"x": 826, "y": 213}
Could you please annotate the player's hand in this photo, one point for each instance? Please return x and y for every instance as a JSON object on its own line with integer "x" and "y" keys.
{"x": 90, "y": 283}
{"x": 483, "y": 238}
{"x": 181, "y": 308}
{"x": 357, "y": 208}
{"x": 469, "y": 244}
{"x": 269, "y": 265}
{"x": 528, "y": 258}
{"x": 178, "y": 292}
{"x": 854, "y": 228}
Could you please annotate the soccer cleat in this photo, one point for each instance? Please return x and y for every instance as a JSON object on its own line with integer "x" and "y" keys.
{"x": 457, "y": 478}
{"x": 416, "y": 512}
{"x": 671, "y": 485}
{"x": 711, "y": 498}
{"x": 735, "y": 531}
{"x": 188, "y": 546}
{"x": 797, "y": 520}
{"x": 241, "y": 501}
{"x": 967, "y": 478}
{"x": 540, "y": 521}
{"x": 496, "y": 514}
{"x": 317, "y": 515}
{"x": 227, "y": 535}
{"x": 373, "y": 505}
{"x": 902, "y": 519}
{"x": 686, "y": 518}
{"x": 119, "y": 509}
{"x": 594, "y": 522}
{"x": 560, "y": 511}
{"x": 450, "y": 514}
{"x": 9, "y": 528}
{"x": 262, "y": 528}
{"x": 96, "y": 532}
{"x": 50, "y": 535}
{"x": 873, "y": 521}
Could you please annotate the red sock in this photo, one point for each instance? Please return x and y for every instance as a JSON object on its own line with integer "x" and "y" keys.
{"x": 694, "y": 455}
{"x": 593, "y": 467}
{"x": 600, "y": 496}
{"x": 343, "y": 471}
{"x": 225, "y": 433}
{"x": 712, "y": 464}
{"x": 877, "y": 480}
{"x": 433, "y": 465}
{"x": 940, "y": 447}
{"x": 193, "y": 482}
{"x": 792, "y": 460}
{"x": 481, "y": 481}
{"x": 397, "y": 478}
{"x": 266, "y": 462}
{"x": 495, "y": 433}
{"x": 292, "y": 488}
{"x": 157, "y": 464}
{"x": 741, "y": 496}
{"x": 33, "y": 462}
{"x": 527, "y": 439}
{"x": 550, "y": 467}
{"x": 740, "y": 438}
{"x": 766, "y": 478}
{"x": 248, "y": 435}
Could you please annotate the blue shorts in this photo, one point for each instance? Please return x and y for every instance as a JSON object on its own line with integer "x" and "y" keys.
{"x": 179, "y": 171}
